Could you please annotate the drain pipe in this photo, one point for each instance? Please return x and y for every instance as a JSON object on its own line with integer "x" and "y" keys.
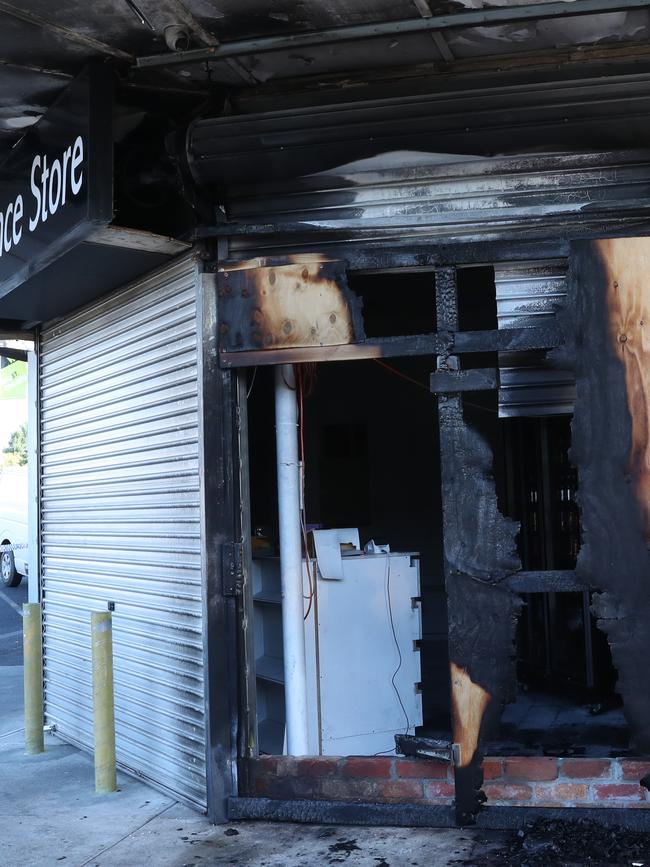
{"x": 295, "y": 679}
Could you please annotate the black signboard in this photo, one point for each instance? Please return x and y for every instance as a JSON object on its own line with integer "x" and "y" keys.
{"x": 56, "y": 185}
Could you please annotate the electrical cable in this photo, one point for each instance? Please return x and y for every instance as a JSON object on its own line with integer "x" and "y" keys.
{"x": 139, "y": 14}
{"x": 299, "y": 376}
{"x": 250, "y": 387}
{"x": 399, "y": 652}
{"x": 421, "y": 385}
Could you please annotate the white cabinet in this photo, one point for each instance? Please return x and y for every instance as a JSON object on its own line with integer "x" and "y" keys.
{"x": 363, "y": 662}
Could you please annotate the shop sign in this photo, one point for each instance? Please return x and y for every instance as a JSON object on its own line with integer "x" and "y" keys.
{"x": 56, "y": 184}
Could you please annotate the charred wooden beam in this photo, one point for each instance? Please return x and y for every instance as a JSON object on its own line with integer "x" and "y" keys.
{"x": 609, "y": 313}
{"x": 546, "y": 337}
{"x": 384, "y": 347}
{"x": 455, "y": 381}
{"x": 549, "y": 581}
{"x": 479, "y": 547}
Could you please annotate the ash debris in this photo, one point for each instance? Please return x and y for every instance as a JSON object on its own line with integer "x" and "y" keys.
{"x": 570, "y": 843}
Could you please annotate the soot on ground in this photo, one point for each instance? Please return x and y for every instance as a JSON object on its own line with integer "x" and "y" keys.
{"x": 575, "y": 843}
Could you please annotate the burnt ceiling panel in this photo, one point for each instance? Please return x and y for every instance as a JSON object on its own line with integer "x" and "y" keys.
{"x": 41, "y": 44}
{"x": 560, "y": 33}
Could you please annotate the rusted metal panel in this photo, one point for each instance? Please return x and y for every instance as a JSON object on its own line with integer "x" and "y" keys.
{"x": 301, "y": 302}
{"x": 610, "y": 311}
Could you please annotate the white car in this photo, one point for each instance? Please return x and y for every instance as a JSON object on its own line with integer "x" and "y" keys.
{"x": 13, "y": 525}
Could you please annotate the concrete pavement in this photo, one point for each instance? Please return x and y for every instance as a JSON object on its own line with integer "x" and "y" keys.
{"x": 50, "y": 816}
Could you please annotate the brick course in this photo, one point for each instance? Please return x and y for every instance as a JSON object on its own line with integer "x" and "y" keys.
{"x": 531, "y": 768}
{"x": 634, "y": 769}
{"x": 585, "y": 769}
{"x": 421, "y": 769}
{"x": 367, "y": 766}
{"x": 511, "y": 781}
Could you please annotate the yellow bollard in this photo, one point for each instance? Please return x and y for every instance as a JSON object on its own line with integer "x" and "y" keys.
{"x": 103, "y": 710}
{"x": 33, "y": 676}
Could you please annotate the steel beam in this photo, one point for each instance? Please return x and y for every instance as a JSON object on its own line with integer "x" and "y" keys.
{"x": 63, "y": 32}
{"x": 490, "y": 17}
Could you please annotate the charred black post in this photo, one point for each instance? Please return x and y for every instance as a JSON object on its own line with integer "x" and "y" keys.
{"x": 480, "y": 552}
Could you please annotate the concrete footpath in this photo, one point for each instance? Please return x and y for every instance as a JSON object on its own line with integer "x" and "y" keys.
{"x": 50, "y": 816}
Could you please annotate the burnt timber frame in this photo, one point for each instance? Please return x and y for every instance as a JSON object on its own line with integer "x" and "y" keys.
{"x": 221, "y": 531}
{"x": 510, "y": 339}
{"x": 496, "y": 587}
{"x": 482, "y": 614}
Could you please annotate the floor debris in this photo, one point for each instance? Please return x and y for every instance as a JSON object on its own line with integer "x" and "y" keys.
{"x": 570, "y": 843}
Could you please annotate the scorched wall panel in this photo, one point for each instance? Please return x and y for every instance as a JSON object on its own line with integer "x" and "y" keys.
{"x": 120, "y": 523}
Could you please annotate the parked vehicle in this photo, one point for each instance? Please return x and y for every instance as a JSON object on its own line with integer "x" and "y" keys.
{"x": 13, "y": 525}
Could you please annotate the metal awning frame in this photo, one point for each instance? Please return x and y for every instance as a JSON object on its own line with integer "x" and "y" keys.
{"x": 358, "y": 32}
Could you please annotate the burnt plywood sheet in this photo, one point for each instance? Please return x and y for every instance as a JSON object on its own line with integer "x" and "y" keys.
{"x": 300, "y": 302}
{"x": 609, "y": 321}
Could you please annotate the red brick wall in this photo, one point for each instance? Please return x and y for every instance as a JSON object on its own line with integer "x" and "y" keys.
{"x": 534, "y": 781}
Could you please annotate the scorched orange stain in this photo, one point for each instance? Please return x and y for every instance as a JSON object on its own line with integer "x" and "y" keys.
{"x": 469, "y": 703}
{"x": 627, "y": 266}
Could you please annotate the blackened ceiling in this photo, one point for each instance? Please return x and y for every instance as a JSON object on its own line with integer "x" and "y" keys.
{"x": 168, "y": 56}
{"x": 43, "y": 44}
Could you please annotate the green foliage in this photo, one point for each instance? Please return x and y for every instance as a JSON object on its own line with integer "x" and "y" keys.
{"x": 17, "y": 447}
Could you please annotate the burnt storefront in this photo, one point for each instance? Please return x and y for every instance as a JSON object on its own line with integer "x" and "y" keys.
{"x": 359, "y": 463}
{"x": 442, "y": 352}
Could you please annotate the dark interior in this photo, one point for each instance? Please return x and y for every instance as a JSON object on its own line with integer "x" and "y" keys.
{"x": 372, "y": 461}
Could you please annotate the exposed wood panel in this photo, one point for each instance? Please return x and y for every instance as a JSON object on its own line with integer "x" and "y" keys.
{"x": 301, "y": 303}
{"x": 627, "y": 265}
{"x": 609, "y": 308}
{"x": 469, "y": 703}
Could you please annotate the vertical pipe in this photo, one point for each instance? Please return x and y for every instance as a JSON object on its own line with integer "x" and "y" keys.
{"x": 295, "y": 678}
{"x": 103, "y": 710}
{"x": 33, "y": 661}
{"x": 33, "y": 461}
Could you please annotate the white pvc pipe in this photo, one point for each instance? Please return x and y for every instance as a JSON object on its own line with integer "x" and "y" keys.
{"x": 295, "y": 678}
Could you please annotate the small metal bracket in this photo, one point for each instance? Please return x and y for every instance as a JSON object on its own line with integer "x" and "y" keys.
{"x": 232, "y": 561}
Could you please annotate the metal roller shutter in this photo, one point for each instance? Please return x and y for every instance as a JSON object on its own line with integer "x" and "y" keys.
{"x": 403, "y": 199}
{"x": 120, "y": 523}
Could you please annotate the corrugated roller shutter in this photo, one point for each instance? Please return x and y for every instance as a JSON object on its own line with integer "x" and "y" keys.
{"x": 530, "y": 294}
{"x": 405, "y": 199}
{"x": 120, "y": 522}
